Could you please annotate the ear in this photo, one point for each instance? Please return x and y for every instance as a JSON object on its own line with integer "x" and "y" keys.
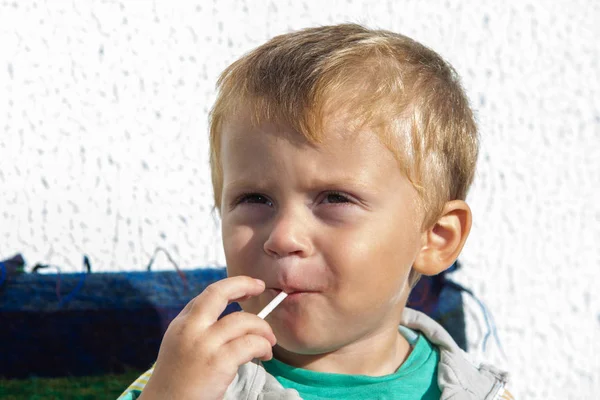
{"x": 443, "y": 242}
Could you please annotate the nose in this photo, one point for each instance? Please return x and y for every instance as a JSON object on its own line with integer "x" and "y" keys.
{"x": 289, "y": 236}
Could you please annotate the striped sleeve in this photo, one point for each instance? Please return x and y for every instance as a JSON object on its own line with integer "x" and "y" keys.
{"x": 134, "y": 390}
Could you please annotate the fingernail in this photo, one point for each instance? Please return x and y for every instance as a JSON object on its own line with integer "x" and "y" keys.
{"x": 261, "y": 283}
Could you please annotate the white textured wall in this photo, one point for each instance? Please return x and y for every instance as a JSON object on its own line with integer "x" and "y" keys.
{"x": 103, "y": 111}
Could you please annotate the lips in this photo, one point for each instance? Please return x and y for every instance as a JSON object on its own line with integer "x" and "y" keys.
{"x": 291, "y": 292}
{"x": 295, "y": 280}
{"x": 296, "y": 285}
{"x": 289, "y": 288}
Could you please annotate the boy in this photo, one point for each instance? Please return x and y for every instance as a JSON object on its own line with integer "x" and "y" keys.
{"x": 341, "y": 158}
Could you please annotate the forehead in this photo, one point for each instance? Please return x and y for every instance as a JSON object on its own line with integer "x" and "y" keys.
{"x": 272, "y": 151}
{"x": 338, "y": 138}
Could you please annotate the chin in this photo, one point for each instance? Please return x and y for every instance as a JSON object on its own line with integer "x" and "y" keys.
{"x": 302, "y": 338}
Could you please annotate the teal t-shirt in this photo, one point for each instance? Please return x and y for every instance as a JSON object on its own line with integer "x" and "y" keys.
{"x": 415, "y": 379}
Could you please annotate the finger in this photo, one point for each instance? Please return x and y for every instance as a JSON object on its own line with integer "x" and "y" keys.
{"x": 187, "y": 307}
{"x": 211, "y": 303}
{"x": 239, "y": 324}
{"x": 246, "y": 348}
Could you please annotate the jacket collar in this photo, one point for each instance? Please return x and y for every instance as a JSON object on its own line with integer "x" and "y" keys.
{"x": 458, "y": 377}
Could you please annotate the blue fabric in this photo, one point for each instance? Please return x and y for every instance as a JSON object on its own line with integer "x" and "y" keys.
{"x": 88, "y": 324}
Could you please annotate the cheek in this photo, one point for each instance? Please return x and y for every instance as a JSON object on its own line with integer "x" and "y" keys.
{"x": 240, "y": 251}
{"x": 372, "y": 265}
{"x": 238, "y": 243}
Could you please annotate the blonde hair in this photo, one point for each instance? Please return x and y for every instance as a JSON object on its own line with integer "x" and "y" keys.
{"x": 402, "y": 90}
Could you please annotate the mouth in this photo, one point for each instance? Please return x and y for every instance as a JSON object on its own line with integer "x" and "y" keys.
{"x": 292, "y": 293}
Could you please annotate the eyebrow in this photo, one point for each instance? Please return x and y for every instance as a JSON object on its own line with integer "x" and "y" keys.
{"x": 342, "y": 183}
{"x": 245, "y": 182}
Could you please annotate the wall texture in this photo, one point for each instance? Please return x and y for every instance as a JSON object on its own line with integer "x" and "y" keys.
{"x": 103, "y": 148}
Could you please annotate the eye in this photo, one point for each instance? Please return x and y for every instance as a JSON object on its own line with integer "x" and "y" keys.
{"x": 336, "y": 198}
{"x": 254, "y": 198}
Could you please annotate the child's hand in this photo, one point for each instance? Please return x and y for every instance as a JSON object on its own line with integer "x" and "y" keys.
{"x": 199, "y": 356}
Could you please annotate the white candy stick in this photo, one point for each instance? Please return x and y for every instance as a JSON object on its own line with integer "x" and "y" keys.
{"x": 271, "y": 306}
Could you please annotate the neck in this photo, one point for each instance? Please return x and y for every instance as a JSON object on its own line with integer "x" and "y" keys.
{"x": 377, "y": 354}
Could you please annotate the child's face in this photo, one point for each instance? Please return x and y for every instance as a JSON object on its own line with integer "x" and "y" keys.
{"x": 335, "y": 225}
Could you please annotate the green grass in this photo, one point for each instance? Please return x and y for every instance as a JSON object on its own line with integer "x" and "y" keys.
{"x": 87, "y": 387}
